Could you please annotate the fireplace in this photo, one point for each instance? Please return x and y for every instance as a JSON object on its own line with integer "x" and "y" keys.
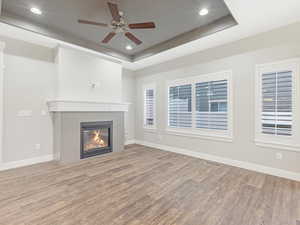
{"x": 96, "y": 138}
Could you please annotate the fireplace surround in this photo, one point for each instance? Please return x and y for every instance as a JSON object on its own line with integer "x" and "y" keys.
{"x": 95, "y": 138}
{"x": 70, "y": 117}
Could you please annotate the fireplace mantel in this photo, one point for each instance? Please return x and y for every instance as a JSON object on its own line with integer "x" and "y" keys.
{"x": 86, "y": 106}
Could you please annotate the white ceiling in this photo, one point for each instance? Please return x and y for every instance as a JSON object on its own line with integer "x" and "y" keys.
{"x": 253, "y": 16}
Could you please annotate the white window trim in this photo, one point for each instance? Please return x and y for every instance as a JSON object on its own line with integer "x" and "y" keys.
{"x": 2, "y": 46}
{"x": 225, "y": 136}
{"x": 151, "y": 128}
{"x": 278, "y": 142}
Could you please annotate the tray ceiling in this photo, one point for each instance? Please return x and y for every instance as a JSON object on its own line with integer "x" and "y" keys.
{"x": 177, "y": 22}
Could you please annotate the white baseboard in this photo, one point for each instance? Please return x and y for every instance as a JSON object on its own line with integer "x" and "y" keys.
{"x": 241, "y": 164}
{"x": 130, "y": 142}
{"x": 26, "y": 162}
{"x": 231, "y": 162}
{"x": 56, "y": 156}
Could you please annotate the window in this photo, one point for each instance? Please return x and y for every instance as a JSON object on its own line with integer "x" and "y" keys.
{"x": 180, "y": 106}
{"x": 276, "y": 104}
{"x": 211, "y": 105}
{"x": 149, "y": 106}
{"x": 201, "y": 106}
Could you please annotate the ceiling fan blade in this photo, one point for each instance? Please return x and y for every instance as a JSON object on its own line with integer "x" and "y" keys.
{"x": 114, "y": 11}
{"x": 92, "y": 23}
{"x": 108, "y": 37}
{"x": 148, "y": 25}
{"x": 133, "y": 38}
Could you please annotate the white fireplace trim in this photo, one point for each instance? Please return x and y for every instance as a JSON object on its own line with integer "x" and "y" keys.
{"x": 2, "y": 46}
{"x": 86, "y": 106}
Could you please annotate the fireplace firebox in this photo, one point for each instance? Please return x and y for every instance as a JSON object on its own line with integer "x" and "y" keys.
{"x": 96, "y": 138}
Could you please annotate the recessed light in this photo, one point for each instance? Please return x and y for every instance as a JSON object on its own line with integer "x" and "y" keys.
{"x": 36, "y": 11}
{"x": 129, "y": 47}
{"x": 203, "y": 12}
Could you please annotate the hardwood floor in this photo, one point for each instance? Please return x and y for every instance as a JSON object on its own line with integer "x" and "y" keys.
{"x": 145, "y": 186}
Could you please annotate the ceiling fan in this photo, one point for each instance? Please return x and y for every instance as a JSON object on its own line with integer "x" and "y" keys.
{"x": 119, "y": 25}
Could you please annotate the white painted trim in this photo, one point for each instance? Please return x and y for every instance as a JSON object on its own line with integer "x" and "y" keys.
{"x": 130, "y": 142}
{"x": 290, "y": 143}
{"x": 150, "y": 130}
{"x": 86, "y": 106}
{"x": 2, "y": 46}
{"x": 56, "y": 156}
{"x": 26, "y": 162}
{"x": 145, "y": 88}
{"x": 207, "y": 136}
{"x": 192, "y": 80}
{"x": 227, "y": 161}
{"x": 277, "y": 145}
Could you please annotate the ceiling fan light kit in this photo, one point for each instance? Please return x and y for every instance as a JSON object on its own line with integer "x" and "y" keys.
{"x": 120, "y": 25}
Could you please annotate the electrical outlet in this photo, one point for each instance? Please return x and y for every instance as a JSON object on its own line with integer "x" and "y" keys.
{"x": 279, "y": 155}
{"x": 37, "y": 146}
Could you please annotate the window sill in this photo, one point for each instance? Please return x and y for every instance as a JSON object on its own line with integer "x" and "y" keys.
{"x": 279, "y": 146}
{"x": 150, "y": 129}
{"x": 214, "y": 137}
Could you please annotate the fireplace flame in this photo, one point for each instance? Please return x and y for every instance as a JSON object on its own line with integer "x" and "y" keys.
{"x": 95, "y": 141}
{"x": 98, "y": 139}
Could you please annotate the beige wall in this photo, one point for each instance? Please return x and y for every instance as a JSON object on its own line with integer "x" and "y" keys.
{"x": 77, "y": 70}
{"x": 29, "y": 79}
{"x": 240, "y": 57}
{"x": 129, "y": 95}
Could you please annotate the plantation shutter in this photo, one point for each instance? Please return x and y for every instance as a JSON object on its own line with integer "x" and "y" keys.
{"x": 149, "y": 107}
{"x": 211, "y": 105}
{"x": 277, "y": 103}
{"x": 180, "y": 106}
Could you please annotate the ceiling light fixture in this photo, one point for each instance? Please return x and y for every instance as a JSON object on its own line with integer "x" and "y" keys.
{"x": 129, "y": 47}
{"x": 36, "y": 11}
{"x": 203, "y": 12}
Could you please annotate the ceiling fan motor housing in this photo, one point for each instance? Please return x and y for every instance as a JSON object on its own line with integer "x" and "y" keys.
{"x": 119, "y": 26}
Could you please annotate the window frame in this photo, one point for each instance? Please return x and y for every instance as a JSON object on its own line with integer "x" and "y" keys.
{"x": 151, "y": 86}
{"x": 221, "y": 135}
{"x": 2, "y": 46}
{"x": 278, "y": 141}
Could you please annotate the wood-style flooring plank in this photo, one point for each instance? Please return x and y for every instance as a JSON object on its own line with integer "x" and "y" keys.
{"x": 145, "y": 186}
